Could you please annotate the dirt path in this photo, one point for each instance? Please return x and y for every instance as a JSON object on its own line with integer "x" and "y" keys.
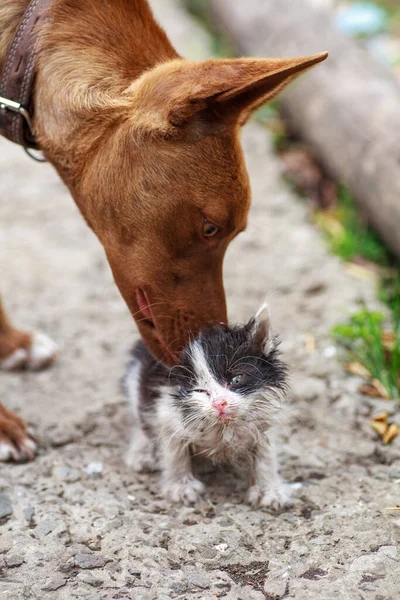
{"x": 69, "y": 534}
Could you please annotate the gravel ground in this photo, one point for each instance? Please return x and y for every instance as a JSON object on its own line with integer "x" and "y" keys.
{"x": 76, "y": 523}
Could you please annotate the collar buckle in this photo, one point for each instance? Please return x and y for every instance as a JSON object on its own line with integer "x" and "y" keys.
{"x": 6, "y": 104}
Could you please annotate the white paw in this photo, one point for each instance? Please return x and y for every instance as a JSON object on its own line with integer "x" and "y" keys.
{"x": 15, "y": 361}
{"x": 187, "y": 490}
{"x": 274, "y": 497}
{"x": 40, "y": 354}
{"x": 21, "y": 451}
{"x": 42, "y": 351}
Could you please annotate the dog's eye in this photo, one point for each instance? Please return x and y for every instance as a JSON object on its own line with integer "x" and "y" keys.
{"x": 235, "y": 380}
{"x": 209, "y": 229}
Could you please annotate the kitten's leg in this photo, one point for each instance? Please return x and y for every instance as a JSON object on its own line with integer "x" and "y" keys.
{"x": 141, "y": 455}
{"x": 178, "y": 482}
{"x": 268, "y": 488}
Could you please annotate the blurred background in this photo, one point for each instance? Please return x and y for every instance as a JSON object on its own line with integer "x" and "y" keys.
{"x": 337, "y": 135}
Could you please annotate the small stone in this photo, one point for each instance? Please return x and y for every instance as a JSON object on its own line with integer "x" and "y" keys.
{"x": 198, "y": 580}
{"x": 207, "y": 552}
{"x": 221, "y": 547}
{"x": 29, "y": 513}
{"x": 135, "y": 572}
{"x": 275, "y": 585}
{"x": 5, "y": 506}
{"x": 90, "y": 580}
{"x": 396, "y": 527}
{"x": 67, "y": 474}
{"x": 368, "y": 586}
{"x": 54, "y": 583}
{"x": 45, "y": 527}
{"x": 390, "y": 552}
{"x": 6, "y": 542}
{"x": 14, "y": 560}
{"x": 94, "y": 469}
{"x": 38, "y": 555}
{"x": 289, "y": 518}
{"x": 111, "y": 525}
{"x": 178, "y": 587}
{"x": 90, "y": 561}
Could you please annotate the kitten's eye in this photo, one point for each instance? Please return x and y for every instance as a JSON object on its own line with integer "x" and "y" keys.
{"x": 209, "y": 229}
{"x": 200, "y": 391}
{"x": 235, "y": 380}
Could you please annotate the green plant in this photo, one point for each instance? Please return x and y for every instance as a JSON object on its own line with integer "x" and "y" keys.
{"x": 355, "y": 238}
{"x": 376, "y": 349}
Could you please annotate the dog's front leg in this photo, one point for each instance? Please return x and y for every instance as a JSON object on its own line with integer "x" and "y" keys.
{"x": 268, "y": 488}
{"x": 178, "y": 482}
{"x": 21, "y": 349}
{"x": 16, "y": 443}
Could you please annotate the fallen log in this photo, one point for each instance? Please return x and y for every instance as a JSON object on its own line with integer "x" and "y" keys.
{"x": 348, "y": 108}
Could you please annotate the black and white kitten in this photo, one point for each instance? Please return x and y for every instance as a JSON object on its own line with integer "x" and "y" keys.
{"x": 218, "y": 402}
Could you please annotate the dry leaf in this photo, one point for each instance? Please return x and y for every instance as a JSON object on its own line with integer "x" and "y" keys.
{"x": 369, "y": 390}
{"x": 392, "y": 431}
{"x": 357, "y": 369}
{"x": 374, "y": 389}
{"x": 330, "y": 224}
{"x": 382, "y": 416}
{"x": 310, "y": 345}
{"x": 383, "y": 393}
{"x": 389, "y": 340}
{"x": 379, "y": 427}
{"x": 361, "y": 272}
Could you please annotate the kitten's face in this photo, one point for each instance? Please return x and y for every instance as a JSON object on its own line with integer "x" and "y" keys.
{"x": 230, "y": 375}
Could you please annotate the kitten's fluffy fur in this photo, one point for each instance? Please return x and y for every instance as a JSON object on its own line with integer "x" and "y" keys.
{"x": 218, "y": 402}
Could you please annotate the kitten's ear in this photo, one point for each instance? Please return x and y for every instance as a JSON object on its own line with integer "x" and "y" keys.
{"x": 261, "y": 330}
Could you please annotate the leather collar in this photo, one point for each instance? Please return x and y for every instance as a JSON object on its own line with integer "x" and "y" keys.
{"x": 17, "y": 79}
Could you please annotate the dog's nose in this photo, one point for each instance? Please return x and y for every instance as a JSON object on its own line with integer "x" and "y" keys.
{"x": 220, "y": 405}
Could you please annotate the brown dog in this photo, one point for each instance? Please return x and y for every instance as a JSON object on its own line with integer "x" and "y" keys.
{"x": 148, "y": 145}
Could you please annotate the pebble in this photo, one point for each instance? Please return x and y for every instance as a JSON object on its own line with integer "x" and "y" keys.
{"x": 95, "y": 469}
{"x": 29, "y": 513}
{"x": 54, "y": 583}
{"x": 178, "y": 587}
{"x": 45, "y": 527}
{"x": 289, "y": 518}
{"x": 14, "y": 560}
{"x": 207, "y": 552}
{"x": 67, "y": 474}
{"x": 90, "y": 561}
{"x": 6, "y": 542}
{"x": 5, "y": 506}
{"x": 90, "y": 580}
{"x": 221, "y": 547}
{"x": 198, "y": 580}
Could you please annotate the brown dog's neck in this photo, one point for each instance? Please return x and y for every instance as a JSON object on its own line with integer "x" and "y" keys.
{"x": 88, "y": 54}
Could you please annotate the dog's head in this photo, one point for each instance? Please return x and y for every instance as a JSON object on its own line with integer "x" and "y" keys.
{"x": 166, "y": 190}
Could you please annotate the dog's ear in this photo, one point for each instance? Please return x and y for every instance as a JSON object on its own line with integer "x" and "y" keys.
{"x": 231, "y": 89}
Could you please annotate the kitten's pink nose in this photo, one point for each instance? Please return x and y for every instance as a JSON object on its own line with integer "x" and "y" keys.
{"x": 220, "y": 405}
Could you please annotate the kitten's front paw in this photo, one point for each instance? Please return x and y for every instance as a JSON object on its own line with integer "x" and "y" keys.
{"x": 274, "y": 497}
{"x": 186, "y": 491}
{"x": 142, "y": 461}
